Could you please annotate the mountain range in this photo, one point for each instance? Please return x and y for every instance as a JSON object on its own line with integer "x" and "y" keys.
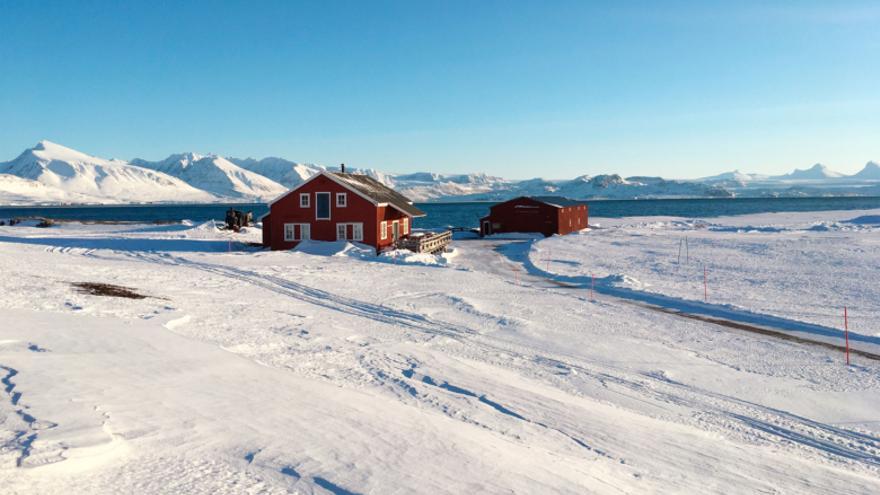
{"x": 50, "y": 173}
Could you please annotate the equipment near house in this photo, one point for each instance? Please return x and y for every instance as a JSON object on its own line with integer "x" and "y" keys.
{"x": 426, "y": 242}
{"x": 236, "y": 219}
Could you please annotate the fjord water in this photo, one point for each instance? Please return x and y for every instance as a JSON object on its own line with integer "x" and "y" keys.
{"x": 467, "y": 214}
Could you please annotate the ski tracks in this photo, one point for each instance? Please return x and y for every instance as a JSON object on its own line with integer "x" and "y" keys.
{"x": 750, "y": 423}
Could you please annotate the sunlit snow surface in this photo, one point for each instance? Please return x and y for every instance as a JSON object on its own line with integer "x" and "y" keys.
{"x": 325, "y": 370}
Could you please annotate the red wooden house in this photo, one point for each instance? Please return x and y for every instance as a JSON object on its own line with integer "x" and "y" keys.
{"x": 546, "y": 215}
{"x": 333, "y": 206}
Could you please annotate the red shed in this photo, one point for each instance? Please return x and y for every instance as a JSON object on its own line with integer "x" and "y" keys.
{"x": 547, "y": 215}
{"x": 333, "y": 206}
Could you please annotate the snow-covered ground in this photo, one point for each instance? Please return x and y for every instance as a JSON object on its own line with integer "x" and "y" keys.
{"x": 246, "y": 371}
{"x": 802, "y": 267}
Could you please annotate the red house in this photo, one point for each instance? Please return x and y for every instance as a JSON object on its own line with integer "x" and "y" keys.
{"x": 547, "y": 215}
{"x": 333, "y": 206}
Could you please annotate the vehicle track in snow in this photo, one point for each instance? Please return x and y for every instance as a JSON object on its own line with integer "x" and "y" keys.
{"x": 748, "y": 422}
{"x": 318, "y": 297}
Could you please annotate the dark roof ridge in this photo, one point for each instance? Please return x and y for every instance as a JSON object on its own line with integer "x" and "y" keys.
{"x": 378, "y": 192}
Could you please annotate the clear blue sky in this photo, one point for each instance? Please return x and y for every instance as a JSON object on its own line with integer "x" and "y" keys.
{"x": 519, "y": 89}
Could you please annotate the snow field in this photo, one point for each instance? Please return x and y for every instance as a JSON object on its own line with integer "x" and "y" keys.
{"x": 803, "y": 267}
{"x": 276, "y": 372}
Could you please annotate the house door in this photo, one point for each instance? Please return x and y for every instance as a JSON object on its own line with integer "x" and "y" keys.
{"x": 395, "y": 230}
{"x": 305, "y": 232}
{"x": 487, "y": 227}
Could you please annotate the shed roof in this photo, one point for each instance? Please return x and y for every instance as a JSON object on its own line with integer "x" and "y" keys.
{"x": 378, "y": 192}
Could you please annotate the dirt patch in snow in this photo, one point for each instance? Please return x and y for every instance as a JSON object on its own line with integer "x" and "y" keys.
{"x": 107, "y": 290}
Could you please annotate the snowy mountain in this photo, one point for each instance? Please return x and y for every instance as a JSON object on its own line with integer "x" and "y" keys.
{"x": 285, "y": 172}
{"x": 217, "y": 176}
{"x": 733, "y": 178}
{"x": 606, "y": 186}
{"x": 49, "y": 172}
{"x": 17, "y": 191}
{"x": 870, "y": 172}
{"x": 816, "y": 172}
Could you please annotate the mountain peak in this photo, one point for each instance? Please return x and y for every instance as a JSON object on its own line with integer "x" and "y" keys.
{"x": 816, "y": 172}
{"x": 871, "y": 171}
{"x": 47, "y": 151}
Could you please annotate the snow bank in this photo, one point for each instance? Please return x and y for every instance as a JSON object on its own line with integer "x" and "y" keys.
{"x": 365, "y": 252}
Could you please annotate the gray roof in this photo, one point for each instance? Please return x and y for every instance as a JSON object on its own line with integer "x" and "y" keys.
{"x": 557, "y": 201}
{"x": 378, "y": 192}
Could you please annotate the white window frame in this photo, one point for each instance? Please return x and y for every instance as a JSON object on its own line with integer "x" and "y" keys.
{"x": 357, "y": 231}
{"x": 290, "y": 232}
{"x": 344, "y": 197}
{"x": 329, "y": 206}
{"x": 383, "y": 230}
{"x": 405, "y": 226}
{"x": 307, "y": 197}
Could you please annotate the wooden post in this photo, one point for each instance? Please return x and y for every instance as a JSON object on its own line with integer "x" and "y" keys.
{"x": 680, "y": 241}
{"x": 705, "y": 283}
{"x": 846, "y": 333}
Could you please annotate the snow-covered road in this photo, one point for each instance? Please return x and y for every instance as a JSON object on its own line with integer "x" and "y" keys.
{"x": 278, "y": 372}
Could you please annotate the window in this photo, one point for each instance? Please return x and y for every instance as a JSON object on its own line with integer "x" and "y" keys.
{"x": 322, "y": 206}
{"x": 341, "y": 200}
{"x": 383, "y": 230}
{"x": 405, "y": 225}
{"x": 303, "y": 200}
{"x": 357, "y": 231}
{"x": 297, "y": 232}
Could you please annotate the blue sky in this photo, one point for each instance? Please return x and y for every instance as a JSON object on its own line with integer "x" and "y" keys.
{"x": 519, "y": 89}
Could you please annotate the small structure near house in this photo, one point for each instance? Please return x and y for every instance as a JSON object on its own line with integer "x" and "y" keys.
{"x": 337, "y": 206}
{"x": 236, "y": 219}
{"x": 546, "y": 215}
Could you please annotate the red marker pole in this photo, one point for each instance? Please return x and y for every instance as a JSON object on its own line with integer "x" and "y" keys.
{"x": 846, "y": 333}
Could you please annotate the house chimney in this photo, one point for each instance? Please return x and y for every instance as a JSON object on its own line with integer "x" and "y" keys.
{"x": 342, "y": 167}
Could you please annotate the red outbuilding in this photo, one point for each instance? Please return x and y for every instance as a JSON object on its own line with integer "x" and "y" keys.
{"x": 333, "y": 206}
{"x": 546, "y": 215}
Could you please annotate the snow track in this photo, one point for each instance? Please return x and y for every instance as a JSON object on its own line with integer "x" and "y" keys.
{"x": 304, "y": 293}
{"x": 746, "y": 421}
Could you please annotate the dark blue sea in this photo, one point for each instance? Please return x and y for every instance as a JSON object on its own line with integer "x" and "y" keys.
{"x": 458, "y": 214}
